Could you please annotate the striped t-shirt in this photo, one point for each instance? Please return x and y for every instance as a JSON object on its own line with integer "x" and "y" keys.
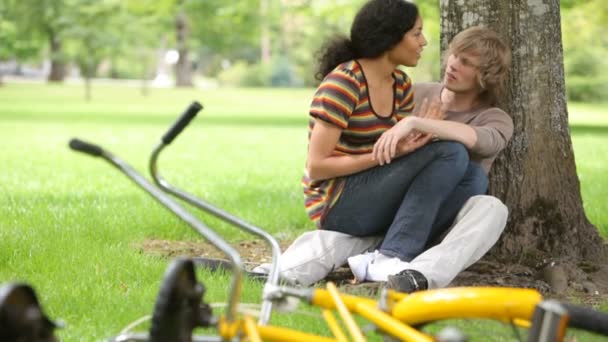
{"x": 342, "y": 99}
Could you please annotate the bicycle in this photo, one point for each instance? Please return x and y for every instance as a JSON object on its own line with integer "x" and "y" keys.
{"x": 179, "y": 307}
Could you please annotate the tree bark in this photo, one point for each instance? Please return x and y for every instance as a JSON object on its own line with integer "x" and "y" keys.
{"x": 145, "y": 69}
{"x": 183, "y": 69}
{"x": 87, "y": 88}
{"x": 265, "y": 54}
{"x": 536, "y": 175}
{"x": 57, "y": 73}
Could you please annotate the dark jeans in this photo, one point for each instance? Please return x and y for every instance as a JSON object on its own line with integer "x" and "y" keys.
{"x": 475, "y": 182}
{"x": 403, "y": 199}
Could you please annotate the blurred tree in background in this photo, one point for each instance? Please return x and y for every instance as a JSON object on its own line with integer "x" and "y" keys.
{"x": 238, "y": 43}
{"x": 585, "y": 38}
{"x": 42, "y": 22}
{"x": 90, "y": 37}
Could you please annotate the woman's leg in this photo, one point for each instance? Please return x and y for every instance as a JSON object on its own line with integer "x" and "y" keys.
{"x": 474, "y": 182}
{"x": 411, "y": 227}
{"x": 372, "y": 198}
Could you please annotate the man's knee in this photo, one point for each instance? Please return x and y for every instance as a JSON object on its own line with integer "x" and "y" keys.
{"x": 490, "y": 206}
{"x": 496, "y": 207}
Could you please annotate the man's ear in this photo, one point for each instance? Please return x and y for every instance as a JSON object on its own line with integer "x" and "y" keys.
{"x": 482, "y": 76}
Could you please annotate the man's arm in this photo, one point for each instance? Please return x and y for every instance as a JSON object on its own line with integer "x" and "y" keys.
{"x": 494, "y": 130}
{"x": 484, "y": 138}
{"x": 445, "y": 130}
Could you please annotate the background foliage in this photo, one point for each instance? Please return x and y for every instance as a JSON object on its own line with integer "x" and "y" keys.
{"x": 225, "y": 39}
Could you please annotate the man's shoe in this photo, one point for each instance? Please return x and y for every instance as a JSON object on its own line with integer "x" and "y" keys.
{"x": 407, "y": 281}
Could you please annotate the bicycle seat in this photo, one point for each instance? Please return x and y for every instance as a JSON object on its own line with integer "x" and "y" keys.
{"x": 21, "y": 317}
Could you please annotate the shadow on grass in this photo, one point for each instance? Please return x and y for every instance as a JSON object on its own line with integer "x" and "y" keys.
{"x": 214, "y": 119}
{"x": 130, "y": 119}
{"x": 589, "y": 129}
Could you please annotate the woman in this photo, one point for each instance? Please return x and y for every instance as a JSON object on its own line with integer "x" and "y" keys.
{"x": 363, "y": 94}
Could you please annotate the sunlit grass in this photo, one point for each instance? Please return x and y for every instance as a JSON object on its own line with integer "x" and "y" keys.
{"x": 70, "y": 224}
{"x": 589, "y": 127}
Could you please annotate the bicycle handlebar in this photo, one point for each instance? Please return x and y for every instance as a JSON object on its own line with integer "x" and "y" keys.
{"x": 587, "y": 319}
{"x": 85, "y": 147}
{"x": 175, "y": 208}
{"x": 182, "y": 122}
{"x": 178, "y": 126}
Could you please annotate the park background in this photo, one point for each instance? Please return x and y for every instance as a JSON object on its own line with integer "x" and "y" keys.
{"x": 118, "y": 73}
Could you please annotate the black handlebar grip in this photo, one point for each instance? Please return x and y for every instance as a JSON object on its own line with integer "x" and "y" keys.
{"x": 182, "y": 122}
{"x": 85, "y": 147}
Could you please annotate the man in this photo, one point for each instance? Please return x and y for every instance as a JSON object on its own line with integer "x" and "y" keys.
{"x": 476, "y": 63}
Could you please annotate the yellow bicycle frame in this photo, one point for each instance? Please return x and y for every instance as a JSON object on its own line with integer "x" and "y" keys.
{"x": 402, "y": 311}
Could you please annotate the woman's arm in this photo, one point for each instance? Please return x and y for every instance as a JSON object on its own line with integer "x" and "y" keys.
{"x": 386, "y": 149}
{"x": 322, "y": 164}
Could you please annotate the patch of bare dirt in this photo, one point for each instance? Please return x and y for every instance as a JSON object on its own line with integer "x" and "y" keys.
{"x": 252, "y": 252}
{"x": 566, "y": 282}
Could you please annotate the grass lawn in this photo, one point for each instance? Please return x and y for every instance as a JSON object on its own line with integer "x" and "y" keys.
{"x": 70, "y": 225}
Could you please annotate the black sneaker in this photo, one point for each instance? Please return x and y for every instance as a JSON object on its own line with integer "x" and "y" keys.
{"x": 407, "y": 281}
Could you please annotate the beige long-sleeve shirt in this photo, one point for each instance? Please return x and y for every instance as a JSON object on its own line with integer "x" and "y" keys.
{"x": 493, "y": 126}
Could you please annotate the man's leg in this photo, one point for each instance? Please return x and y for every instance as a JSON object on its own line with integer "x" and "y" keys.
{"x": 476, "y": 229}
{"x": 313, "y": 255}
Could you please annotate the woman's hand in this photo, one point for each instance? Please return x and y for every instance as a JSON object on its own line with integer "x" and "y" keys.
{"x": 385, "y": 148}
{"x": 407, "y": 146}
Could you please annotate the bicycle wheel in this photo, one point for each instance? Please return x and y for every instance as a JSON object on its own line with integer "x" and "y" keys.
{"x": 178, "y": 308}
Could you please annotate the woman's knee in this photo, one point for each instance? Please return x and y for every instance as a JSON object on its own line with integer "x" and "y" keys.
{"x": 455, "y": 151}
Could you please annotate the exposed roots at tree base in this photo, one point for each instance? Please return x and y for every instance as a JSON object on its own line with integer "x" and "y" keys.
{"x": 581, "y": 282}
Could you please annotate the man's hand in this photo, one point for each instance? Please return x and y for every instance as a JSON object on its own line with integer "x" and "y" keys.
{"x": 402, "y": 138}
{"x": 433, "y": 109}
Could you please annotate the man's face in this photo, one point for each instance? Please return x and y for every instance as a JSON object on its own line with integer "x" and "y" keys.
{"x": 461, "y": 73}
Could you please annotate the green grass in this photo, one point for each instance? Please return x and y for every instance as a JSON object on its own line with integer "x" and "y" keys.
{"x": 589, "y": 127}
{"x": 70, "y": 224}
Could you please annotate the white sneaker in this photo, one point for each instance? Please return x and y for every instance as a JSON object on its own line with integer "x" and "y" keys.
{"x": 358, "y": 265}
{"x": 382, "y": 266}
{"x": 263, "y": 268}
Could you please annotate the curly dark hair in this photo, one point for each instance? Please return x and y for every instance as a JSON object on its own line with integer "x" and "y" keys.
{"x": 378, "y": 26}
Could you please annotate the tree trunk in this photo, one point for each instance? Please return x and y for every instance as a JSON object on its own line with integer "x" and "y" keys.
{"x": 57, "y": 73}
{"x": 145, "y": 69}
{"x": 87, "y": 88}
{"x": 183, "y": 69}
{"x": 265, "y": 33}
{"x": 536, "y": 175}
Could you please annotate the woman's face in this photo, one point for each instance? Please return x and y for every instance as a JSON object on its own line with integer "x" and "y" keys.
{"x": 407, "y": 52}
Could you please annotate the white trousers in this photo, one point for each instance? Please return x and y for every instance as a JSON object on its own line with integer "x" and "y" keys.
{"x": 477, "y": 227}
